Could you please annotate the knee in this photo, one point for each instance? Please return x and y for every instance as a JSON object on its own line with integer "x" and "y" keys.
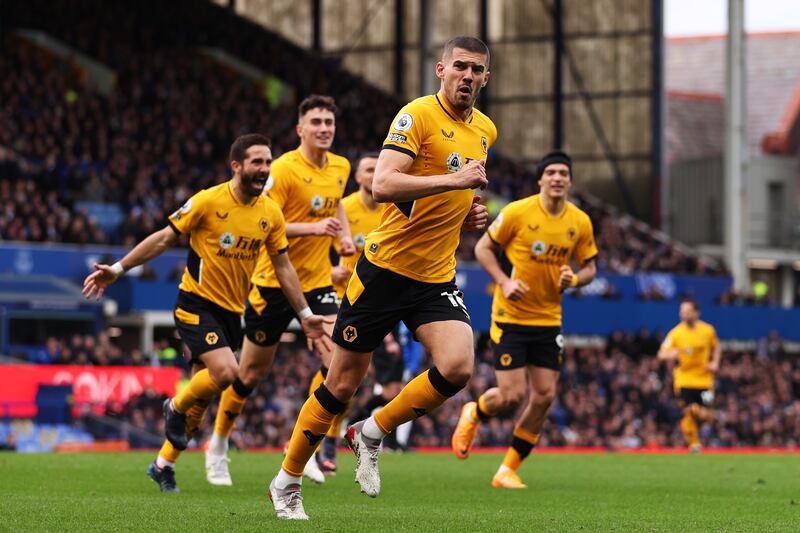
{"x": 512, "y": 399}
{"x": 341, "y": 389}
{"x": 543, "y": 398}
{"x": 224, "y": 375}
{"x": 457, "y": 371}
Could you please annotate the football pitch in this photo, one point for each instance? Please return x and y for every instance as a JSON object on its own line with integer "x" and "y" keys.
{"x": 421, "y": 492}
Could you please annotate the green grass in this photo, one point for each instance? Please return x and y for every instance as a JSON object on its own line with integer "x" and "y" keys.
{"x": 421, "y": 492}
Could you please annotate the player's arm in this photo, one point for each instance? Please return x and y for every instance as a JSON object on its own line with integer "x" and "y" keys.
{"x": 290, "y": 285}
{"x": 152, "y": 246}
{"x": 346, "y": 245}
{"x": 668, "y": 351}
{"x": 392, "y": 183}
{"x": 327, "y": 227}
{"x": 584, "y": 276}
{"x": 716, "y": 356}
{"x": 486, "y": 253}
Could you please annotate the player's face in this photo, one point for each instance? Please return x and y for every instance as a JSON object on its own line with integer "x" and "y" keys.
{"x": 317, "y": 128}
{"x": 365, "y": 172}
{"x": 556, "y": 180}
{"x": 463, "y": 75}
{"x": 688, "y": 313}
{"x": 254, "y": 170}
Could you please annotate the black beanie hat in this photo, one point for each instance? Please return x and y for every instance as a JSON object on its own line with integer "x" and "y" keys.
{"x": 556, "y": 156}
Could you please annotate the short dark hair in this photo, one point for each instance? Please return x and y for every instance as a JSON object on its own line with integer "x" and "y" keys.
{"x": 470, "y": 44}
{"x": 243, "y": 142}
{"x": 316, "y": 101}
{"x": 556, "y": 156}
{"x": 692, "y": 302}
{"x": 370, "y": 155}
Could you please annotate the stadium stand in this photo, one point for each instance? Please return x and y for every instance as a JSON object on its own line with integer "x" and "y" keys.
{"x": 615, "y": 395}
{"x": 166, "y": 127}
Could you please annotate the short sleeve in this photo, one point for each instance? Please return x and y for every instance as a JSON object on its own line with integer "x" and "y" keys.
{"x": 406, "y": 132}
{"x": 669, "y": 341}
{"x": 502, "y": 229}
{"x": 276, "y": 241}
{"x": 189, "y": 216}
{"x": 714, "y": 340}
{"x": 586, "y": 248}
{"x": 279, "y": 183}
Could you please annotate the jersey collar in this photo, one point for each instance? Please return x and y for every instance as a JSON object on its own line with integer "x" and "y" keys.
{"x": 450, "y": 111}
{"x": 310, "y": 163}
{"x": 236, "y": 198}
{"x": 546, "y": 212}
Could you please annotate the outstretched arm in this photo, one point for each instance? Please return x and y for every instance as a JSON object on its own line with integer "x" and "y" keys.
{"x": 104, "y": 275}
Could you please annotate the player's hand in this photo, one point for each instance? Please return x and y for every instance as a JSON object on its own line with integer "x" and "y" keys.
{"x": 712, "y": 367}
{"x": 314, "y": 328}
{"x": 472, "y": 175}
{"x": 328, "y": 226}
{"x": 340, "y": 274}
{"x": 477, "y": 217}
{"x": 98, "y": 281}
{"x": 514, "y": 289}
{"x": 565, "y": 279}
{"x": 346, "y": 245}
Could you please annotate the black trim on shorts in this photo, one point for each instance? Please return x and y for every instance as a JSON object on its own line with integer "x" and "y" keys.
{"x": 406, "y": 151}
{"x": 266, "y": 328}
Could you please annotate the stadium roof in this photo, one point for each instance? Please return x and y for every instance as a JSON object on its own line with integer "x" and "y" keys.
{"x": 697, "y": 65}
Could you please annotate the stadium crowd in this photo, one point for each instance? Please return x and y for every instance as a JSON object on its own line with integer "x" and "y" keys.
{"x": 616, "y": 396}
{"x": 164, "y": 132}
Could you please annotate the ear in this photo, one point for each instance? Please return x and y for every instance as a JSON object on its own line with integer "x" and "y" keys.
{"x": 440, "y": 70}
{"x": 236, "y": 167}
{"x": 299, "y": 129}
{"x": 486, "y": 79}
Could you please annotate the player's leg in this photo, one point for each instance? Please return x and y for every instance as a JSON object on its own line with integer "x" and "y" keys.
{"x": 346, "y": 372}
{"x": 162, "y": 469}
{"x": 450, "y": 344}
{"x": 220, "y": 371}
{"x": 512, "y": 385}
{"x": 510, "y": 358}
{"x": 691, "y": 403}
{"x": 543, "y": 383}
{"x": 255, "y": 362}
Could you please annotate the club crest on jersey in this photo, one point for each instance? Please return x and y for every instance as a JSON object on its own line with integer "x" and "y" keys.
{"x": 454, "y": 162}
{"x": 359, "y": 240}
{"x": 571, "y": 233}
{"x": 484, "y": 144}
{"x": 263, "y": 224}
{"x": 538, "y": 248}
{"x": 317, "y": 202}
{"x": 403, "y": 122}
{"x": 227, "y": 240}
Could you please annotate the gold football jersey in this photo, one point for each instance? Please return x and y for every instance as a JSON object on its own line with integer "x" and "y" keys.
{"x": 537, "y": 244}
{"x": 305, "y": 193}
{"x": 695, "y": 346}
{"x": 418, "y": 239}
{"x": 226, "y": 238}
{"x": 362, "y": 221}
